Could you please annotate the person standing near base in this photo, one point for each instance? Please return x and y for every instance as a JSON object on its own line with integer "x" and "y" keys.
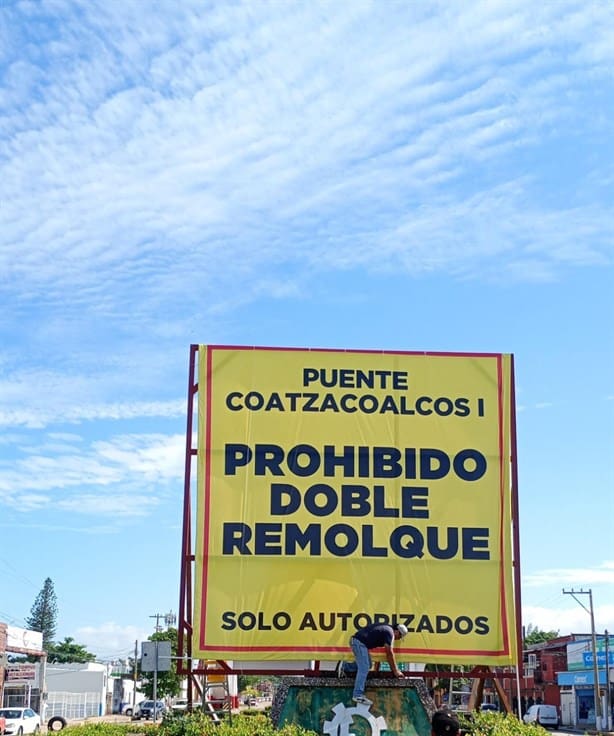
{"x": 365, "y": 639}
{"x": 445, "y": 723}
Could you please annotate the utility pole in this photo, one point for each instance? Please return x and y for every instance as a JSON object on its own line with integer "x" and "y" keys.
{"x": 134, "y": 675}
{"x": 169, "y": 620}
{"x": 43, "y": 687}
{"x": 589, "y": 593}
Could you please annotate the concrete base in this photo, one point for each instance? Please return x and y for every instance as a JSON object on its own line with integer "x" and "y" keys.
{"x": 401, "y": 707}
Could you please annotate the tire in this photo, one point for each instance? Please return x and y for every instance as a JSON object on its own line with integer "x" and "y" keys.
{"x": 20, "y": 731}
{"x": 128, "y": 712}
{"x": 57, "y": 723}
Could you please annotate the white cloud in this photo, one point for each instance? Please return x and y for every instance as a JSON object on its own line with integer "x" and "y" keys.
{"x": 65, "y": 437}
{"x": 546, "y": 606}
{"x": 572, "y": 576}
{"x": 62, "y": 406}
{"x": 115, "y": 518}
{"x": 169, "y": 155}
{"x": 152, "y": 457}
{"x": 110, "y": 640}
{"x": 111, "y": 467}
{"x": 112, "y": 506}
{"x": 568, "y": 620}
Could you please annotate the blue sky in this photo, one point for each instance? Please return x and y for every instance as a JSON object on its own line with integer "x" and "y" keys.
{"x": 407, "y": 176}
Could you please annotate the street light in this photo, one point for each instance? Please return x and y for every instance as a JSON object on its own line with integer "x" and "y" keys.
{"x": 589, "y": 593}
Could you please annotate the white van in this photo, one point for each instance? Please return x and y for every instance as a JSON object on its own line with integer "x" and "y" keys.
{"x": 543, "y": 715}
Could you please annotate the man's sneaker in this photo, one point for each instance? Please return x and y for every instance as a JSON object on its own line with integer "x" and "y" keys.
{"x": 340, "y": 672}
{"x": 361, "y": 700}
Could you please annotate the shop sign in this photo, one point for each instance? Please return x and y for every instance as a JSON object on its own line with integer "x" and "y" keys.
{"x": 21, "y": 672}
{"x": 18, "y": 639}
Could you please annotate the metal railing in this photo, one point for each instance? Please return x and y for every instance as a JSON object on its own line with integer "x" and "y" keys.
{"x": 73, "y": 706}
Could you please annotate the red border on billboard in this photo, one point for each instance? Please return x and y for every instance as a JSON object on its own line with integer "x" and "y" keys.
{"x": 314, "y": 651}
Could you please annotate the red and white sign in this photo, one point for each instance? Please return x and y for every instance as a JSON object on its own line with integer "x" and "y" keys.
{"x": 21, "y": 672}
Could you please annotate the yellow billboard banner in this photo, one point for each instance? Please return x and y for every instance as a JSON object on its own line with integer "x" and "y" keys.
{"x": 342, "y": 487}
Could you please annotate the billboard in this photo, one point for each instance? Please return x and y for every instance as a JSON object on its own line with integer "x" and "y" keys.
{"x": 23, "y": 639}
{"x": 340, "y": 487}
{"x": 580, "y": 654}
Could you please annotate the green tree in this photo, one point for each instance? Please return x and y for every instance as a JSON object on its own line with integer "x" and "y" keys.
{"x": 534, "y": 635}
{"x": 168, "y": 683}
{"x": 44, "y": 613}
{"x": 69, "y": 651}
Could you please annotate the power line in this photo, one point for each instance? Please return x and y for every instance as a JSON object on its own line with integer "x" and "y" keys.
{"x": 12, "y": 570}
{"x": 12, "y": 619}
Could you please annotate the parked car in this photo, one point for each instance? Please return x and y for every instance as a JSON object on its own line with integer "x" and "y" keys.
{"x": 129, "y": 709}
{"x": 543, "y": 715}
{"x": 488, "y": 707}
{"x": 180, "y": 705}
{"x": 20, "y": 721}
{"x": 146, "y": 709}
{"x": 56, "y": 723}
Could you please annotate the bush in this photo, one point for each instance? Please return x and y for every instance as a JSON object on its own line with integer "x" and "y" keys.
{"x": 111, "y": 729}
{"x": 193, "y": 724}
{"x": 497, "y": 724}
{"x": 201, "y": 724}
{"x": 258, "y": 723}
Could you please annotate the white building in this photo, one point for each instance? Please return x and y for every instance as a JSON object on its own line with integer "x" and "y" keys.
{"x": 76, "y": 690}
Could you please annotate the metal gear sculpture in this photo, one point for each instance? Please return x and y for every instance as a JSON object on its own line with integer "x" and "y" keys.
{"x": 344, "y": 718}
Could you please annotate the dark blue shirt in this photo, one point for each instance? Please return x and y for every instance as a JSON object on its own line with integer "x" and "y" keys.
{"x": 375, "y": 635}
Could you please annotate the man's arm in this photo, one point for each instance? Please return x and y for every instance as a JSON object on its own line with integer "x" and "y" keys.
{"x": 392, "y": 661}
